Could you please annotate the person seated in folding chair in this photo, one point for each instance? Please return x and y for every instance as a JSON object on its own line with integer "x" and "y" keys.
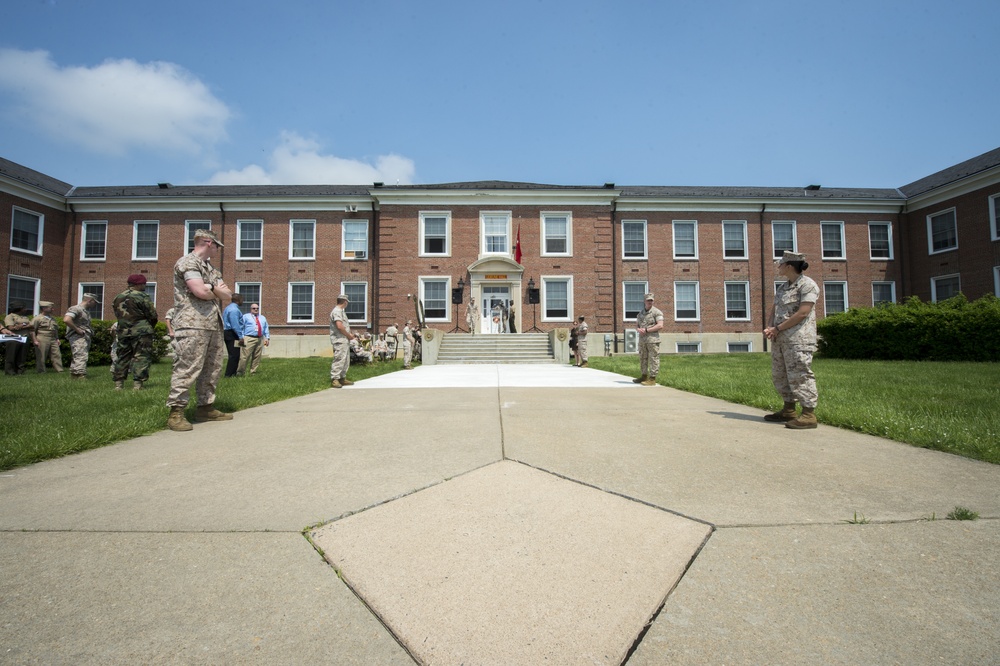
{"x": 358, "y": 354}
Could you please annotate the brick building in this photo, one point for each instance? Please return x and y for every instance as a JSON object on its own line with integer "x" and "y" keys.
{"x": 706, "y": 252}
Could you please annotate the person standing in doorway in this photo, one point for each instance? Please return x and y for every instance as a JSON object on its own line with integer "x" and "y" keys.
{"x": 340, "y": 338}
{"x": 79, "y": 334}
{"x": 256, "y": 336}
{"x": 581, "y": 342}
{"x": 471, "y": 315}
{"x": 511, "y": 325}
{"x": 45, "y": 337}
{"x": 232, "y": 333}
{"x": 648, "y": 324}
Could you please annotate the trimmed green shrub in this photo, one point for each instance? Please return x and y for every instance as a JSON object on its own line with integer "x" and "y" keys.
{"x": 100, "y": 345}
{"x": 951, "y": 330}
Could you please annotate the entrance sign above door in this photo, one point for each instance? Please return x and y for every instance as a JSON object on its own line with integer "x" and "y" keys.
{"x": 495, "y": 276}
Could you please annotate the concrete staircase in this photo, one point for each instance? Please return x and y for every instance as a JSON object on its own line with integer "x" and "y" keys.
{"x": 459, "y": 348}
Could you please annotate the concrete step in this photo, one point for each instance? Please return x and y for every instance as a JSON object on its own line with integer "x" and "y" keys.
{"x": 502, "y": 348}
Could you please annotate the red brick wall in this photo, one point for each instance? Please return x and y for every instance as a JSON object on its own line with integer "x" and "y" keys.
{"x": 50, "y": 266}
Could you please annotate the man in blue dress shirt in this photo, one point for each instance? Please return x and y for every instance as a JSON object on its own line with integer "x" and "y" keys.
{"x": 232, "y": 332}
{"x": 256, "y": 336}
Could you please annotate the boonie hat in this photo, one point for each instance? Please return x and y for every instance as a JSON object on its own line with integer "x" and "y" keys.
{"x": 789, "y": 257}
{"x": 137, "y": 278}
{"x": 209, "y": 234}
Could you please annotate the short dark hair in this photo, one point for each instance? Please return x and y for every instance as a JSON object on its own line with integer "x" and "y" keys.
{"x": 799, "y": 266}
{"x": 238, "y": 299}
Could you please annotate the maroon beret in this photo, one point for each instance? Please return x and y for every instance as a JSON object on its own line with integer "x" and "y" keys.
{"x": 137, "y": 278}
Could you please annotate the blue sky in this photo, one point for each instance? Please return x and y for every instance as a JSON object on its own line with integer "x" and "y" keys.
{"x": 872, "y": 93}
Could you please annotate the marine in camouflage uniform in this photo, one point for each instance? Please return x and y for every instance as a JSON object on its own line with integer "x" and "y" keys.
{"x": 340, "y": 338}
{"x": 648, "y": 323}
{"x": 45, "y": 332}
{"x": 136, "y": 321}
{"x": 79, "y": 333}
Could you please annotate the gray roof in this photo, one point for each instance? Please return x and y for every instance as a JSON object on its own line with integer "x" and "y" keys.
{"x": 952, "y": 174}
{"x": 223, "y": 191}
{"x": 760, "y": 192}
{"x": 31, "y": 177}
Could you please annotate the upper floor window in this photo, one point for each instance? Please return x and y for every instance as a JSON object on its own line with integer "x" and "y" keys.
{"x": 94, "y": 241}
{"x": 945, "y": 287}
{"x": 880, "y": 240}
{"x": 737, "y": 301}
{"x": 145, "y": 240}
{"x": 357, "y": 306}
{"x": 300, "y": 302}
{"x": 883, "y": 292}
{"x": 496, "y": 233}
{"x": 633, "y": 239}
{"x": 686, "y": 301}
{"x": 301, "y": 239}
{"x": 556, "y": 298}
{"x": 835, "y": 297}
{"x": 251, "y": 235}
{"x": 685, "y": 239}
{"x": 355, "y": 239}
{"x": 634, "y": 293}
{"x": 191, "y": 226}
{"x": 734, "y": 239}
{"x": 942, "y": 232}
{"x": 995, "y": 217}
{"x": 833, "y": 240}
{"x": 26, "y": 231}
{"x": 557, "y": 234}
{"x": 783, "y": 237}
{"x": 435, "y": 234}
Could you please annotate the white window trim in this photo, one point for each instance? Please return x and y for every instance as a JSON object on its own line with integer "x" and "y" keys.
{"x": 891, "y": 253}
{"x": 934, "y": 298}
{"x": 448, "y": 307}
{"x": 678, "y": 344}
{"x": 291, "y": 239}
{"x": 568, "y": 279}
{"x": 343, "y": 240}
{"x": 81, "y": 289}
{"x": 930, "y": 231}
{"x": 343, "y": 290}
{"x": 673, "y": 233}
{"x": 994, "y": 204}
{"x": 847, "y": 301}
{"x": 83, "y": 240}
{"x": 748, "y": 343}
{"x": 188, "y": 232}
{"x": 725, "y": 295}
{"x": 645, "y": 290}
{"x": 41, "y": 232}
{"x": 996, "y": 281}
{"x": 892, "y": 285}
{"x": 795, "y": 235}
{"x": 482, "y": 233}
{"x": 697, "y": 300}
{"x": 746, "y": 244}
{"x": 288, "y": 309}
{"x": 645, "y": 240}
{"x": 446, "y": 214}
{"x": 38, "y": 291}
{"x": 238, "y": 287}
{"x": 569, "y": 232}
{"x": 239, "y": 239}
{"x": 843, "y": 241}
{"x": 135, "y": 240}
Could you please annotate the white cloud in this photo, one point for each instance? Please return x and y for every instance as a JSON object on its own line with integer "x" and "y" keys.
{"x": 116, "y": 106}
{"x": 297, "y": 161}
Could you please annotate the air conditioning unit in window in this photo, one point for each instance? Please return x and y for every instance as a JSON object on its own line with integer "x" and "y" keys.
{"x": 360, "y": 254}
{"x": 631, "y": 341}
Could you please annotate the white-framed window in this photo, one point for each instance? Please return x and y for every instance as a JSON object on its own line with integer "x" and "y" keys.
{"x": 688, "y": 347}
{"x": 633, "y": 239}
{"x": 27, "y": 231}
{"x": 24, "y": 289}
{"x": 739, "y": 347}
{"x": 354, "y": 240}
{"x": 832, "y": 234}
{"x": 434, "y": 292}
{"x": 250, "y": 291}
{"x": 633, "y": 295}
{"x": 557, "y": 298}
{"x": 251, "y": 240}
{"x": 783, "y": 237}
{"x": 880, "y": 241}
{"x": 495, "y": 237}
{"x": 835, "y": 297}
{"x": 687, "y": 301}
{"x": 995, "y": 217}
{"x": 151, "y": 292}
{"x": 145, "y": 240}
{"x": 734, "y": 239}
{"x": 883, "y": 292}
{"x": 94, "y": 241}
{"x": 301, "y": 240}
{"x": 942, "y": 232}
{"x": 557, "y": 234}
{"x": 778, "y": 283}
{"x": 945, "y": 286}
{"x": 435, "y": 233}
{"x": 996, "y": 281}
{"x": 685, "y": 234}
{"x": 357, "y": 305}
{"x": 191, "y": 226}
{"x": 96, "y": 311}
{"x": 737, "y": 301}
{"x": 301, "y": 298}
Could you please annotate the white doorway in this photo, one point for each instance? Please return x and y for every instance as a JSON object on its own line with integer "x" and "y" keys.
{"x": 493, "y": 308}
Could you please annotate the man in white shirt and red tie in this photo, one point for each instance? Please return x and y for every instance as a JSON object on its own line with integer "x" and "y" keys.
{"x": 256, "y": 336}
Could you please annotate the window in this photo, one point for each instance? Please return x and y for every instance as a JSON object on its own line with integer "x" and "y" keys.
{"x": 633, "y": 239}
{"x": 737, "y": 301}
{"x": 145, "y": 240}
{"x": 880, "y": 240}
{"x": 556, "y": 293}
{"x": 357, "y": 306}
{"x": 250, "y": 291}
{"x": 300, "y": 302}
{"x": 22, "y": 289}
{"x": 634, "y": 293}
{"x": 302, "y": 239}
{"x": 833, "y": 240}
{"x": 251, "y": 235}
{"x": 151, "y": 292}
{"x": 686, "y": 301}
{"x": 685, "y": 239}
{"x": 835, "y": 297}
{"x": 995, "y": 217}
{"x": 557, "y": 234}
{"x": 26, "y": 231}
{"x": 883, "y": 292}
{"x": 688, "y": 347}
{"x": 996, "y": 281}
{"x": 945, "y": 287}
{"x": 734, "y": 239}
{"x": 94, "y": 241}
{"x": 435, "y": 298}
{"x": 191, "y": 226}
{"x": 782, "y": 238}
{"x": 434, "y": 234}
{"x": 739, "y": 347}
{"x": 496, "y": 233}
{"x": 355, "y": 240}
{"x": 942, "y": 232}
{"x": 96, "y": 311}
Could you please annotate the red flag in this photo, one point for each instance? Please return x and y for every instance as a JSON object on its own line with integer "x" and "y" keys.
{"x": 517, "y": 246}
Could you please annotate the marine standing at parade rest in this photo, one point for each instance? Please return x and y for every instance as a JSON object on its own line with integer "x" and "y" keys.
{"x": 408, "y": 345}
{"x": 648, "y": 324}
{"x": 79, "y": 333}
{"x": 45, "y": 337}
{"x": 136, "y": 323}
{"x": 581, "y": 342}
{"x": 197, "y": 322}
{"x": 16, "y": 353}
{"x": 793, "y": 330}
{"x": 340, "y": 338}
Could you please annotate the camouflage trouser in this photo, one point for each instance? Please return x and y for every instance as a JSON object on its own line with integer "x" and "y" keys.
{"x": 649, "y": 356}
{"x": 791, "y": 370}
{"x": 135, "y": 354}
{"x": 81, "y": 348}
{"x": 341, "y": 358}
{"x": 407, "y": 353}
{"x": 48, "y": 346}
{"x": 200, "y": 354}
{"x": 581, "y": 351}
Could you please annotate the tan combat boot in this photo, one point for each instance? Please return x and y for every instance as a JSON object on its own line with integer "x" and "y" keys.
{"x": 119, "y": 384}
{"x": 346, "y": 382}
{"x": 639, "y": 380}
{"x": 176, "y": 420}
{"x": 650, "y": 381}
{"x": 210, "y": 413}
{"x": 136, "y": 385}
{"x": 806, "y": 420}
{"x": 786, "y": 413}
{"x": 335, "y": 383}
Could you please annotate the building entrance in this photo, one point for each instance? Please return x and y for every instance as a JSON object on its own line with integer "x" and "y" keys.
{"x": 494, "y": 308}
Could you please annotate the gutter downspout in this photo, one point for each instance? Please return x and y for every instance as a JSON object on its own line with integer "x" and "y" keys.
{"x": 903, "y": 258}
{"x": 69, "y": 283}
{"x": 763, "y": 273}
{"x": 375, "y": 282}
{"x": 222, "y": 258}
{"x": 614, "y": 276}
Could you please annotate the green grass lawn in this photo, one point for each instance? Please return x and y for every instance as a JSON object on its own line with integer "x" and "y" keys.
{"x": 945, "y": 406}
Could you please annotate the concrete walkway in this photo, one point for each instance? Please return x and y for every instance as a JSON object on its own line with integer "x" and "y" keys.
{"x": 500, "y": 514}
